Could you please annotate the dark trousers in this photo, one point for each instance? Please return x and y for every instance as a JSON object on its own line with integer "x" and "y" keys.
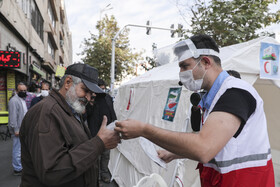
{"x": 103, "y": 161}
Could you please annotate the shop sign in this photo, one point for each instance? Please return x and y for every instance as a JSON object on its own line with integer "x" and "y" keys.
{"x": 60, "y": 71}
{"x": 11, "y": 82}
{"x": 2, "y": 82}
{"x": 10, "y": 59}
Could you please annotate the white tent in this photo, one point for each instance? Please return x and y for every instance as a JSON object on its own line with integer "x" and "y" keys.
{"x": 144, "y": 98}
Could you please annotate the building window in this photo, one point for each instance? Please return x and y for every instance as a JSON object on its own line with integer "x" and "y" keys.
{"x": 51, "y": 14}
{"x": 24, "y": 5}
{"x": 32, "y": 12}
{"x": 37, "y": 19}
{"x": 50, "y": 48}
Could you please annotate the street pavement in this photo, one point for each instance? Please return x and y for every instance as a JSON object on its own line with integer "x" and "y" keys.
{"x": 7, "y": 179}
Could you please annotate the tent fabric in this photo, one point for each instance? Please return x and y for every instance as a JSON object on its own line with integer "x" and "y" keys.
{"x": 144, "y": 97}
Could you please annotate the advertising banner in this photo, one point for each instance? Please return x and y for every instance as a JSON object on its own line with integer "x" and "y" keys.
{"x": 60, "y": 70}
{"x": 171, "y": 103}
{"x": 11, "y": 83}
{"x": 3, "y": 101}
{"x": 269, "y": 61}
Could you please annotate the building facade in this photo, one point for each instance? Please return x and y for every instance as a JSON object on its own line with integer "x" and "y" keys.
{"x": 35, "y": 41}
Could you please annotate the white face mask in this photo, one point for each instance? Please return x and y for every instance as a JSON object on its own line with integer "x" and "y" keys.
{"x": 186, "y": 77}
{"x": 44, "y": 93}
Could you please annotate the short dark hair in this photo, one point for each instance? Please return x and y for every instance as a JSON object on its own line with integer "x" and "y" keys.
{"x": 101, "y": 82}
{"x": 203, "y": 41}
{"x": 20, "y": 83}
{"x": 234, "y": 73}
{"x": 46, "y": 83}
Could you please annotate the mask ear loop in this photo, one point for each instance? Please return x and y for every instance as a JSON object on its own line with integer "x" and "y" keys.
{"x": 204, "y": 72}
{"x": 197, "y": 64}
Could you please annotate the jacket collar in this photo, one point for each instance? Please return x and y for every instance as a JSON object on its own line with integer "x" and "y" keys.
{"x": 208, "y": 98}
{"x": 61, "y": 101}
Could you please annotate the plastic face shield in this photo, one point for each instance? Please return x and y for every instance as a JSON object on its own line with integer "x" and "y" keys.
{"x": 186, "y": 49}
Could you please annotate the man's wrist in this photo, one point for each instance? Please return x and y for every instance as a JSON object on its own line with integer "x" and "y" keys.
{"x": 145, "y": 130}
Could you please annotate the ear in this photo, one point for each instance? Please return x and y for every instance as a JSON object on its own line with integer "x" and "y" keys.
{"x": 68, "y": 82}
{"x": 207, "y": 62}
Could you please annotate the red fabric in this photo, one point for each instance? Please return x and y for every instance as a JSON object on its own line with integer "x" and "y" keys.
{"x": 262, "y": 176}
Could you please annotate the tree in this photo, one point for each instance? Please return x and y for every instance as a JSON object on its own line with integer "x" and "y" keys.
{"x": 150, "y": 62}
{"x": 98, "y": 50}
{"x": 231, "y": 21}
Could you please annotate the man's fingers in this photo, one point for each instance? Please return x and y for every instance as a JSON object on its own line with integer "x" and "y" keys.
{"x": 118, "y": 129}
{"x": 118, "y": 124}
{"x": 104, "y": 122}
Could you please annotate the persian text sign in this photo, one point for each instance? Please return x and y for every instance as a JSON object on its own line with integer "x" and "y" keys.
{"x": 10, "y": 59}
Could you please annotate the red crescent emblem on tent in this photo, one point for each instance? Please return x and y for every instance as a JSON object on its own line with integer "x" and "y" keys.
{"x": 265, "y": 70}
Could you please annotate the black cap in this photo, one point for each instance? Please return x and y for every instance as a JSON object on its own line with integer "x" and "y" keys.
{"x": 88, "y": 74}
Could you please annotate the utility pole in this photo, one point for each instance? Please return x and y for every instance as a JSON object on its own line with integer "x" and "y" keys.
{"x": 104, "y": 9}
{"x": 113, "y": 47}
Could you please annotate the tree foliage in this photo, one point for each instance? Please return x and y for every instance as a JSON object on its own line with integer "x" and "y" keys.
{"x": 231, "y": 21}
{"x": 97, "y": 50}
{"x": 149, "y": 64}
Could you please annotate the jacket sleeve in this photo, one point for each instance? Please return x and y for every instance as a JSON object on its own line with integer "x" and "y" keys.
{"x": 13, "y": 115}
{"x": 55, "y": 158}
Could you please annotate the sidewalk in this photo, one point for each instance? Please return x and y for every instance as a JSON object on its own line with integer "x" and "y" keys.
{"x": 7, "y": 178}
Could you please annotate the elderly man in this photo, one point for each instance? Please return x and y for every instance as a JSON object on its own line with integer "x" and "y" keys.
{"x": 57, "y": 148}
{"x": 17, "y": 110}
{"x": 232, "y": 146}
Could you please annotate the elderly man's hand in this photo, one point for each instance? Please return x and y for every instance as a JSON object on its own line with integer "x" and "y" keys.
{"x": 166, "y": 156}
{"x": 110, "y": 138}
{"x": 130, "y": 128}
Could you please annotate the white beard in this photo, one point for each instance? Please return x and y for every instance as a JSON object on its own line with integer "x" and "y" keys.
{"x": 74, "y": 101}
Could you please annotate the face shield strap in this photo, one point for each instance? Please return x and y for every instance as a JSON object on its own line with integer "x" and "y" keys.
{"x": 192, "y": 51}
{"x": 192, "y": 48}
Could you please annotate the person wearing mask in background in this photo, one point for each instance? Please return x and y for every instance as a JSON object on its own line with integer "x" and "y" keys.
{"x": 17, "y": 111}
{"x": 101, "y": 105}
{"x": 232, "y": 145}
{"x": 57, "y": 147}
{"x": 45, "y": 88}
{"x": 31, "y": 93}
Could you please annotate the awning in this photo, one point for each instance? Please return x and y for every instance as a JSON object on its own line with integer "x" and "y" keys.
{"x": 38, "y": 71}
{"x": 48, "y": 67}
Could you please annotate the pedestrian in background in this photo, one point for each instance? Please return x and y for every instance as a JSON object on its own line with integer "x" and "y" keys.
{"x": 45, "y": 88}
{"x": 102, "y": 105}
{"x": 17, "y": 110}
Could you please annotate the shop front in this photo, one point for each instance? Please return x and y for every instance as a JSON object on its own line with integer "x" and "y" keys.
{"x": 10, "y": 64}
